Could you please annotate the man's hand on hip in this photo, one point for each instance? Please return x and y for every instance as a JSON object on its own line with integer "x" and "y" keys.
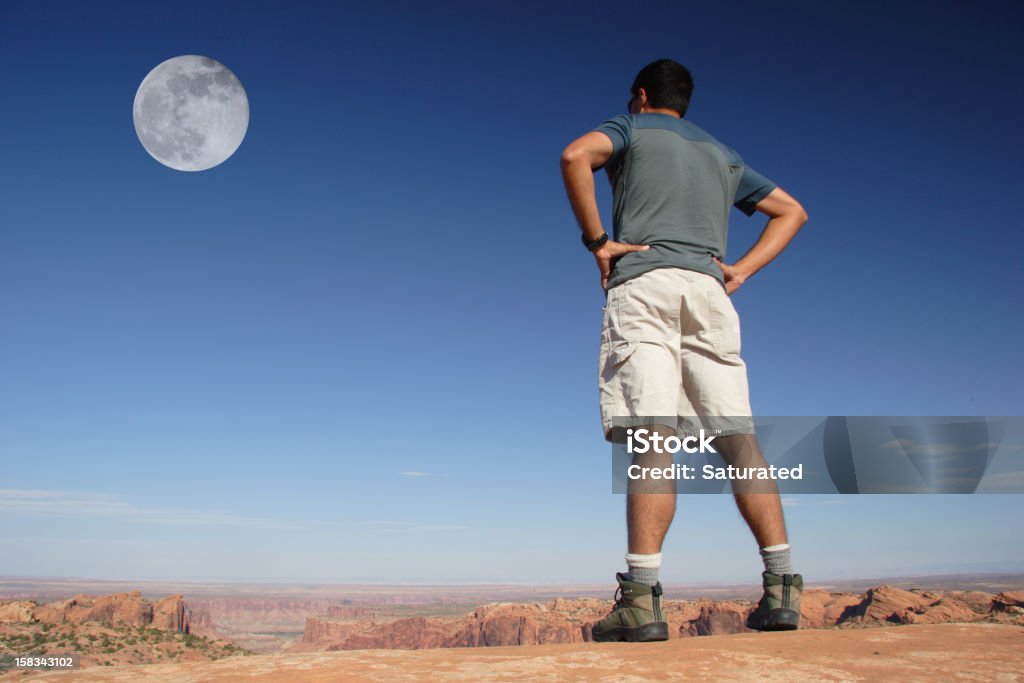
{"x": 786, "y": 217}
{"x": 733, "y": 277}
{"x": 611, "y": 252}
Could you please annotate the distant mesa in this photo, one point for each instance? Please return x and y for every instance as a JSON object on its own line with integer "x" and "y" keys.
{"x": 570, "y": 620}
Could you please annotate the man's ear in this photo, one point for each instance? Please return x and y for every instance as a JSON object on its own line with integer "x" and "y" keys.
{"x": 642, "y": 94}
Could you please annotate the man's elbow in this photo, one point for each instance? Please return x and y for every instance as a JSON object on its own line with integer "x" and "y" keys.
{"x": 794, "y": 211}
{"x": 800, "y": 213}
{"x": 572, "y": 155}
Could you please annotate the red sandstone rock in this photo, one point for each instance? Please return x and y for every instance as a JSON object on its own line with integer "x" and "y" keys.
{"x": 945, "y": 610}
{"x": 200, "y": 621}
{"x": 319, "y": 629}
{"x": 129, "y": 608}
{"x": 888, "y": 604}
{"x": 716, "y": 618}
{"x": 978, "y": 601}
{"x": 169, "y": 613}
{"x": 350, "y": 612}
{"x": 18, "y": 612}
{"x": 1009, "y": 601}
{"x": 404, "y": 634}
{"x": 570, "y": 621}
{"x": 821, "y": 609}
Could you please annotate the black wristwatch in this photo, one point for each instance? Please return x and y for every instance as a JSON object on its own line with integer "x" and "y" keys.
{"x": 596, "y": 244}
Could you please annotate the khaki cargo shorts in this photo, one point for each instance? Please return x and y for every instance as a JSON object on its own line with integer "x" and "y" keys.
{"x": 670, "y": 346}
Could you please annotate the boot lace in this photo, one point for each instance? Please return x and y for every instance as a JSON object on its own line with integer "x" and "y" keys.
{"x": 620, "y": 601}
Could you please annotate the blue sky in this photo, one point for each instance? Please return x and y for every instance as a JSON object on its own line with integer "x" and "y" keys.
{"x": 364, "y": 347}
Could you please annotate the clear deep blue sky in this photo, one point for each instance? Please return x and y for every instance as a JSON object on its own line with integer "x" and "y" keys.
{"x": 225, "y": 374}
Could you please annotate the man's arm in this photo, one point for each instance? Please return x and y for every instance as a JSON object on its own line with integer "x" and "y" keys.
{"x": 580, "y": 159}
{"x": 786, "y": 217}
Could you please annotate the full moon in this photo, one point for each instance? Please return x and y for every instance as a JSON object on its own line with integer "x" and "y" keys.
{"x": 191, "y": 113}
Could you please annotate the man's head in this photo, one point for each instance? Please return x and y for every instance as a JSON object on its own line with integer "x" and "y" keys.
{"x": 665, "y": 84}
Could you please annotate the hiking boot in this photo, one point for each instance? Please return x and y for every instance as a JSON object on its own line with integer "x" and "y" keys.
{"x": 779, "y": 608}
{"x": 636, "y": 617}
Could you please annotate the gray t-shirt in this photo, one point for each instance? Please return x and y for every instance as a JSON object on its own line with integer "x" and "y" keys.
{"x": 673, "y": 186}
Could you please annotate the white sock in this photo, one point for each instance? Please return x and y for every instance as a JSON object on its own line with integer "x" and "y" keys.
{"x": 644, "y": 568}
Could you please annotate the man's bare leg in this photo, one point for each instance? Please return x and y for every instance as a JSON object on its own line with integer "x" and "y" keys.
{"x": 648, "y": 517}
{"x": 763, "y": 514}
{"x": 650, "y": 504}
{"x": 758, "y": 500}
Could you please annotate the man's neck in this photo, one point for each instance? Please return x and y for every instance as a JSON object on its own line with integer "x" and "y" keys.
{"x": 661, "y": 110}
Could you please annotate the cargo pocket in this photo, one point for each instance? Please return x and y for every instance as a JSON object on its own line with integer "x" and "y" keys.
{"x": 725, "y": 324}
{"x": 614, "y": 356}
{"x": 619, "y": 352}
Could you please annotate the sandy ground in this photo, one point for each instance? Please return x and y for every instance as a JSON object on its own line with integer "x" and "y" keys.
{"x": 944, "y": 652}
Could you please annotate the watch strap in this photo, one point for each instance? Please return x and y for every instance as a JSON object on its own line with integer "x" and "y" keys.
{"x": 596, "y": 244}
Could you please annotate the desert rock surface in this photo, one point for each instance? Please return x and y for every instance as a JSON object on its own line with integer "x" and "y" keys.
{"x": 917, "y": 652}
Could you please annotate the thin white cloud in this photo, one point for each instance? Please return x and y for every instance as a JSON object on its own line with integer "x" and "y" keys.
{"x": 422, "y": 529}
{"x": 791, "y": 502}
{"x": 77, "y": 504}
{"x": 414, "y": 474}
{"x": 386, "y": 526}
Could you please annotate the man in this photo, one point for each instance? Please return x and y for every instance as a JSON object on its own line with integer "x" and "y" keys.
{"x": 670, "y": 342}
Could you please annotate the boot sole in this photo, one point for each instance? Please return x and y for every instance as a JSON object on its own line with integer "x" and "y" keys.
{"x": 778, "y": 619}
{"x": 646, "y": 633}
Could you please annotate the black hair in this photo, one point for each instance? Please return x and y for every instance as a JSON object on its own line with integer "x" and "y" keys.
{"x": 668, "y": 85}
